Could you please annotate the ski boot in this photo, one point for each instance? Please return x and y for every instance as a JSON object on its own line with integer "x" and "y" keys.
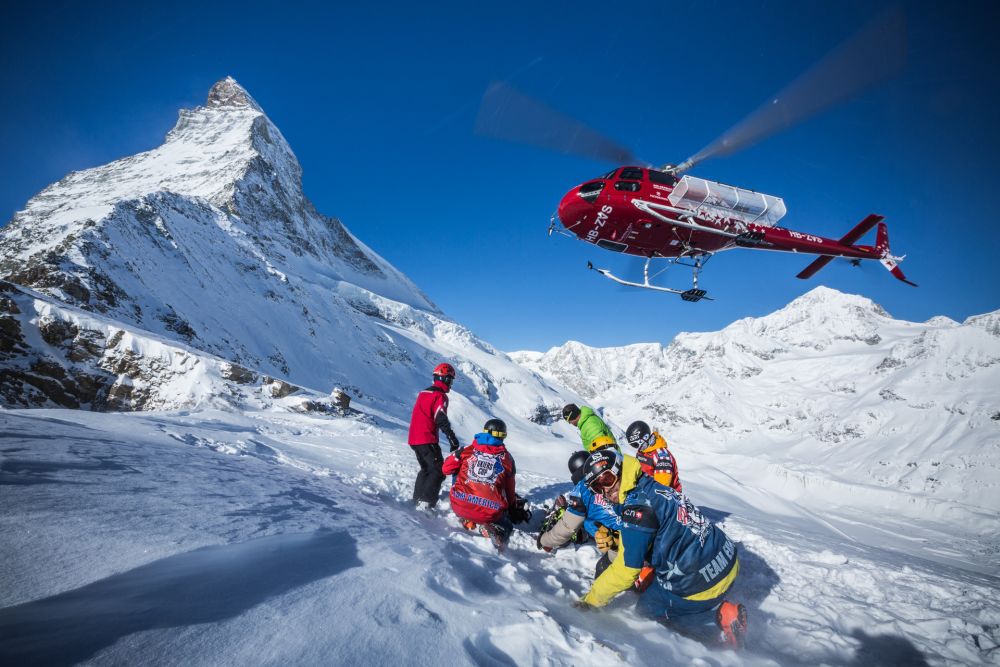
{"x": 469, "y": 525}
{"x": 732, "y": 620}
{"x": 494, "y": 535}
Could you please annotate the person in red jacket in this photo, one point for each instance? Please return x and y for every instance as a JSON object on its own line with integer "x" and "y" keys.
{"x": 482, "y": 493}
{"x": 430, "y": 415}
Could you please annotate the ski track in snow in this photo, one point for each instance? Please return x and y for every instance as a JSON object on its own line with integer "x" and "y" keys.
{"x": 272, "y": 538}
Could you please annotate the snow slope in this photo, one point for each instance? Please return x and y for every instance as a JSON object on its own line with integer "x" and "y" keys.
{"x": 270, "y": 537}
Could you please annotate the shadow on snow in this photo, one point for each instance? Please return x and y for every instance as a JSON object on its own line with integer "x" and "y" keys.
{"x": 201, "y": 586}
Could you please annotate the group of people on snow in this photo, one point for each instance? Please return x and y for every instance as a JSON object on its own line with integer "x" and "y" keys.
{"x": 653, "y": 540}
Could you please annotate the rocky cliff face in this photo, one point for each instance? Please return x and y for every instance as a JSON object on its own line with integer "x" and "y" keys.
{"x": 209, "y": 241}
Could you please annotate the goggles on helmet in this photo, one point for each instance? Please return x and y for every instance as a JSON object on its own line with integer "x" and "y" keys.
{"x": 603, "y": 482}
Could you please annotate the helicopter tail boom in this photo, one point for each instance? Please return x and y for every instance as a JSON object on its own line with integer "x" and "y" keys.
{"x": 880, "y": 252}
{"x": 849, "y": 238}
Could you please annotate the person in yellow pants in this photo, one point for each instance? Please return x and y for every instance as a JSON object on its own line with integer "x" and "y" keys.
{"x": 694, "y": 561}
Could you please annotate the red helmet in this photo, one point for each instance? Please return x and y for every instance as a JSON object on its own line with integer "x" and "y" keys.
{"x": 445, "y": 370}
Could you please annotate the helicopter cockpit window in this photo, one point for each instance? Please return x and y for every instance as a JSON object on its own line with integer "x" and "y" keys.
{"x": 662, "y": 178}
{"x": 631, "y": 174}
{"x": 590, "y": 191}
{"x": 608, "y": 176}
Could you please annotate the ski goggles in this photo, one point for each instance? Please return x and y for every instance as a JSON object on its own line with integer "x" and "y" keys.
{"x": 602, "y": 482}
{"x": 500, "y": 435}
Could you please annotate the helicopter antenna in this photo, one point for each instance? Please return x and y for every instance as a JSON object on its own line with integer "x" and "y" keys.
{"x": 507, "y": 113}
{"x": 873, "y": 54}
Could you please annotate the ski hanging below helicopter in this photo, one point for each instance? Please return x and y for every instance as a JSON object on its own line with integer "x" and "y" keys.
{"x": 663, "y": 213}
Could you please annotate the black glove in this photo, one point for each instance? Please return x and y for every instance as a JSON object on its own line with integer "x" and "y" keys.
{"x": 518, "y": 513}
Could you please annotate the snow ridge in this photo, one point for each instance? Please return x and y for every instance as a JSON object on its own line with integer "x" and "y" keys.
{"x": 829, "y": 391}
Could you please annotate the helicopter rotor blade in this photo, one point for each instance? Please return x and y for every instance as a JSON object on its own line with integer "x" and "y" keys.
{"x": 873, "y": 54}
{"x": 508, "y": 114}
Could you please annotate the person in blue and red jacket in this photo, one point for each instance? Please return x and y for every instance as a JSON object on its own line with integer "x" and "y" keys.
{"x": 694, "y": 561}
{"x": 482, "y": 493}
{"x": 430, "y": 415}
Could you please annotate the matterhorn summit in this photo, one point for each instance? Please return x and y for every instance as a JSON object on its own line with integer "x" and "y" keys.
{"x": 209, "y": 242}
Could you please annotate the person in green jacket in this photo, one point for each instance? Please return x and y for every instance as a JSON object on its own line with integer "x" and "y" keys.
{"x": 591, "y": 426}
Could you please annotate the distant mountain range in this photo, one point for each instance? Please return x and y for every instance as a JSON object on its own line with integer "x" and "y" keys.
{"x": 830, "y": 387}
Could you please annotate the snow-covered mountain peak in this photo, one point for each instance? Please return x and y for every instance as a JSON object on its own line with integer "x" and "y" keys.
{"x": 990, "y": 322}
{"x": 817, "y": 319}
{"x": 828, "y": 299}
{"x": 208, "y": 240}
{"x": 226, "y": 92}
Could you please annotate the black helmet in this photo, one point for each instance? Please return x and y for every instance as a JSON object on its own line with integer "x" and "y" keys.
{"x": 600, "y": 462}
{"x": 570, "y": 411}
{"x": 575, "y": 464}
{"x": 639, "y": 434}
{"x": 496, "y": 427}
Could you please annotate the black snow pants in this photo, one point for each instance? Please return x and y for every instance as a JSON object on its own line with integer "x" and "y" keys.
{"x": 429, "y": 479}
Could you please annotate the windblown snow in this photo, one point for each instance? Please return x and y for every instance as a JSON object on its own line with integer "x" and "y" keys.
{"x": 241, "y": 514}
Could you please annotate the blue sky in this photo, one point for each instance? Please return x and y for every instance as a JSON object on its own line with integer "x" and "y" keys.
{"x": 379, "y": 102}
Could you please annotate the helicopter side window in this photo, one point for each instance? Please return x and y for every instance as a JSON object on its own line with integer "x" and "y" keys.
{"x": 631, "y": 174}
{"x": 627, "y": 186}
{"x": 662, "y": 178}
{"x": 611, "y": 245}
{"x": 608, "y": 176}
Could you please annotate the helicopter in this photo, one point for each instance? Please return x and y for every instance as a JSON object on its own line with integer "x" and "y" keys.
{"x": 663, "y": 213}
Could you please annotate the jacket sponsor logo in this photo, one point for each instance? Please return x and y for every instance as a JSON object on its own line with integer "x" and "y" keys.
{"x": 720, "y": 563}
{"x": 485, "y": 467}
{"x": 643, "y": 516}
{"x": 475, "y": 500}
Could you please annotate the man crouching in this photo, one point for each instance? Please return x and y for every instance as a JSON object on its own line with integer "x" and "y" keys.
{"x": 482, "y": 493}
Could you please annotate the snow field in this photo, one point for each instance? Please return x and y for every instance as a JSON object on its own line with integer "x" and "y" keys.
{"x": 135, "y": 519}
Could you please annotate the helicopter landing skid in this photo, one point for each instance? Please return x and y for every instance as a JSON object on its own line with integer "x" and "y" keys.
{"x": 692, "y": 295}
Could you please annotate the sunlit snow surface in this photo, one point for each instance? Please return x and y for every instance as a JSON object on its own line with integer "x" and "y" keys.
{"x": 224, "y": 538}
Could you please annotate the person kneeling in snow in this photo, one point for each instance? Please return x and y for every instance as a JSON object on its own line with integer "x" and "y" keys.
{"x": 597, "y": 514}
{"x": 482, "y": 492}
{"x": 695, "y": 563}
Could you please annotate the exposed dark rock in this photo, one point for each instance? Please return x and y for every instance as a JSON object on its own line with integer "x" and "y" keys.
{"x": 544, "y": 415}
{"x": 57, "y": 332}
{"x": 88, "y": 344}
{"x": 340, "y": 399}
{"x": 238, "y": 374}
{"x": 279, "y": 388}
{"x": 177, "y": 324}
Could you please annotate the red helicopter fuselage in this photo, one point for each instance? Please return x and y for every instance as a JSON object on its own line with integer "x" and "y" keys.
{"x": 652, "y": 213}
